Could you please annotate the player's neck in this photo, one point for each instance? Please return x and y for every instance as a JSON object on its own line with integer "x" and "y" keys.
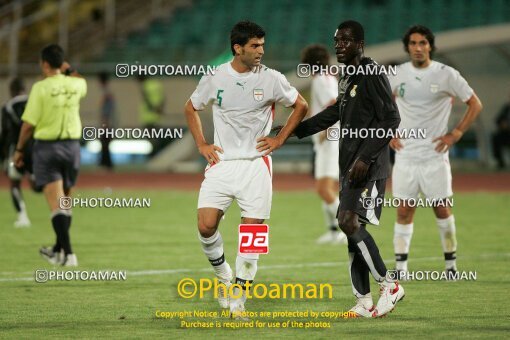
{"x": 52, "y": 72}
{"x": 423, "y": 64}
{"x": 239, "y": 67}
{"x": 355, "y": 61}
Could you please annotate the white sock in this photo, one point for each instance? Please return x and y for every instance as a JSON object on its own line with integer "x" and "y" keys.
{"x": 330, "y": 211}
{"x": 213, "y": 249}
{"x": 447, "y": 232}
{"x": 401, "y": 243}
{"x": 367, "y": 301}
{"x": 246, "y": 269}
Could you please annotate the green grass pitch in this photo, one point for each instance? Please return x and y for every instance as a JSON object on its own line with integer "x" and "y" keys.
{"x": 163, "y": 238}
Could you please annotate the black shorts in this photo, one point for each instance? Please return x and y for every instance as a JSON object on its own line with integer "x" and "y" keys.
{"x": 56, "y": 160}
{"x": 364, "y": 198}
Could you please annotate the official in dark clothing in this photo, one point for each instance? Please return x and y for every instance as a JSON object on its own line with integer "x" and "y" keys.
{"x": 9, "y": 133}
{"x": 501, "y": 138}
{"x": 364, "y": 103}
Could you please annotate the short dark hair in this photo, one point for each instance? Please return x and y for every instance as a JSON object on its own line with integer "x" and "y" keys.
{"x": 423, "y": 31}
{"x": 54, "y": 55}
{"x": 16, "y": 86}
{"x": 315, "y": 55}
{"x": 356, "y": 28}
{"x": 243, "y": 31}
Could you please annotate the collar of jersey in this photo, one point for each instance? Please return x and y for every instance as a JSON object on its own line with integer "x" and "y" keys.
{"x": 236, "y": 74}
{"x": 422, "y": 70}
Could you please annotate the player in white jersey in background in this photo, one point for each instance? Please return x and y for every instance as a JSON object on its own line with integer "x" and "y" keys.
{"x": 243, "y": 93}
{"x": 324, "y": 91}
{"x": 424, "y": 90}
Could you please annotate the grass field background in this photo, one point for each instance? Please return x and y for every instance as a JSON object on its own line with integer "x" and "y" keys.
{"x": 164, "y": 238}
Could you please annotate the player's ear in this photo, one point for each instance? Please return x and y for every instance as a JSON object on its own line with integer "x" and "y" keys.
{"x": 238, "y": 48}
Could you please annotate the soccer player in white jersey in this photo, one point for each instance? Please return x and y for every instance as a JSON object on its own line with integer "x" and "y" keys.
{"x": 424, "y": 90}
{"x": 324, "y": 91}
{"x": 243, "y": 92}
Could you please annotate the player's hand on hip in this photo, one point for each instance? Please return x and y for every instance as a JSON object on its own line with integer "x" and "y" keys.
{"x": 17, "y": 159}
{"x": 359, "y": 171}
{"x": 210, "y": 153}
{"x": 268, "y": 144}
{"x": 445, "y": 142}
{"x": 395, "y": 144}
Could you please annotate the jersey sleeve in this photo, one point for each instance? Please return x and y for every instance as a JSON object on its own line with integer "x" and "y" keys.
{"x": 326, "y": 90}
{"x": 33, "y": 110}
{"x": 203, "y": 93}
{"x": 458, "y": 86}
{"x": 284, "y": 93}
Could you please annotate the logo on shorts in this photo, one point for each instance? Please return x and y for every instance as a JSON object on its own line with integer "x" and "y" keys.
{"x": 434, "y": 88}
{"x": 253, "y": 238}
{"x": 258, "y": 94}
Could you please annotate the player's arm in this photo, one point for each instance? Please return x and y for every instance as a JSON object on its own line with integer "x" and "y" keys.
{"x": 69, "y": 71}
{"x": 474, "y": 107}
{"x": 195, "y": 127}
{"x": 27, "y": 130}
{"x": 319, "y": 122}
{"x": 387, "y": 119}
{"x": 269, "y": 144}
{"x": 323, "y": 134}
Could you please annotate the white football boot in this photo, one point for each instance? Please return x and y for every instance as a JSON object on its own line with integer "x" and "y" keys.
{"x": 364, "y": 308}
{"x": 391, "y": 293}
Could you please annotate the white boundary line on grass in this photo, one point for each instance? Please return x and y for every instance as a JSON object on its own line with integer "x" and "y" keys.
{"x": 278, "y": 266}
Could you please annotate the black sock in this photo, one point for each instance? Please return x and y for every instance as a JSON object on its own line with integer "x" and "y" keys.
{"x": 358, "y": 271}
{"x": 370, "y": 253}
{"x": 60, "y": 225}
{"x": 58, "y": 246}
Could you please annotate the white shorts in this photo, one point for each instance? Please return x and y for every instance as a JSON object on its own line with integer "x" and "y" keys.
{"x": 432, "y": 177}
{"x": 326, "y": 160}
{"x": 247, "y": 181}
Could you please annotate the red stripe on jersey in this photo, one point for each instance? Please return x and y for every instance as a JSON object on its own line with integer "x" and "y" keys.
{"x": 272, "y": 111}
{"x": 266, "y": 160}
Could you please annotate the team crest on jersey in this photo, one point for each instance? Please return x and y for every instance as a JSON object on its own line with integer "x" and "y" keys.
{"x": 364, "y": 193}
{"x": 434, "y": 88}
{"x": 353, "y": 91}
{"x": 258, "y": 94}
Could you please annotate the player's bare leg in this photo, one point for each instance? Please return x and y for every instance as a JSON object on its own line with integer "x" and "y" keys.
{"x": 403, "y": 234}
{"x": 60, "y": 219}
{"x": 327, "y": 188}
{"x": 212, "y": 245}
{"x": 246, "y": 269}
{"x": 447, "y": 231}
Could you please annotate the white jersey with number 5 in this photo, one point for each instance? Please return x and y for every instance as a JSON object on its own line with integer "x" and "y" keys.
{"x": 424, "y": 98}
{"x": 243, "y": 106}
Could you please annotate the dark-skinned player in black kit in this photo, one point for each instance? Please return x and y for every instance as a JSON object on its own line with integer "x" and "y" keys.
{"x": 364, "y": 102}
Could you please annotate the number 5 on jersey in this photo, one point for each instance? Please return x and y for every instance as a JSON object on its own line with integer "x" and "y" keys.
{"x": 219, "y": 97}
